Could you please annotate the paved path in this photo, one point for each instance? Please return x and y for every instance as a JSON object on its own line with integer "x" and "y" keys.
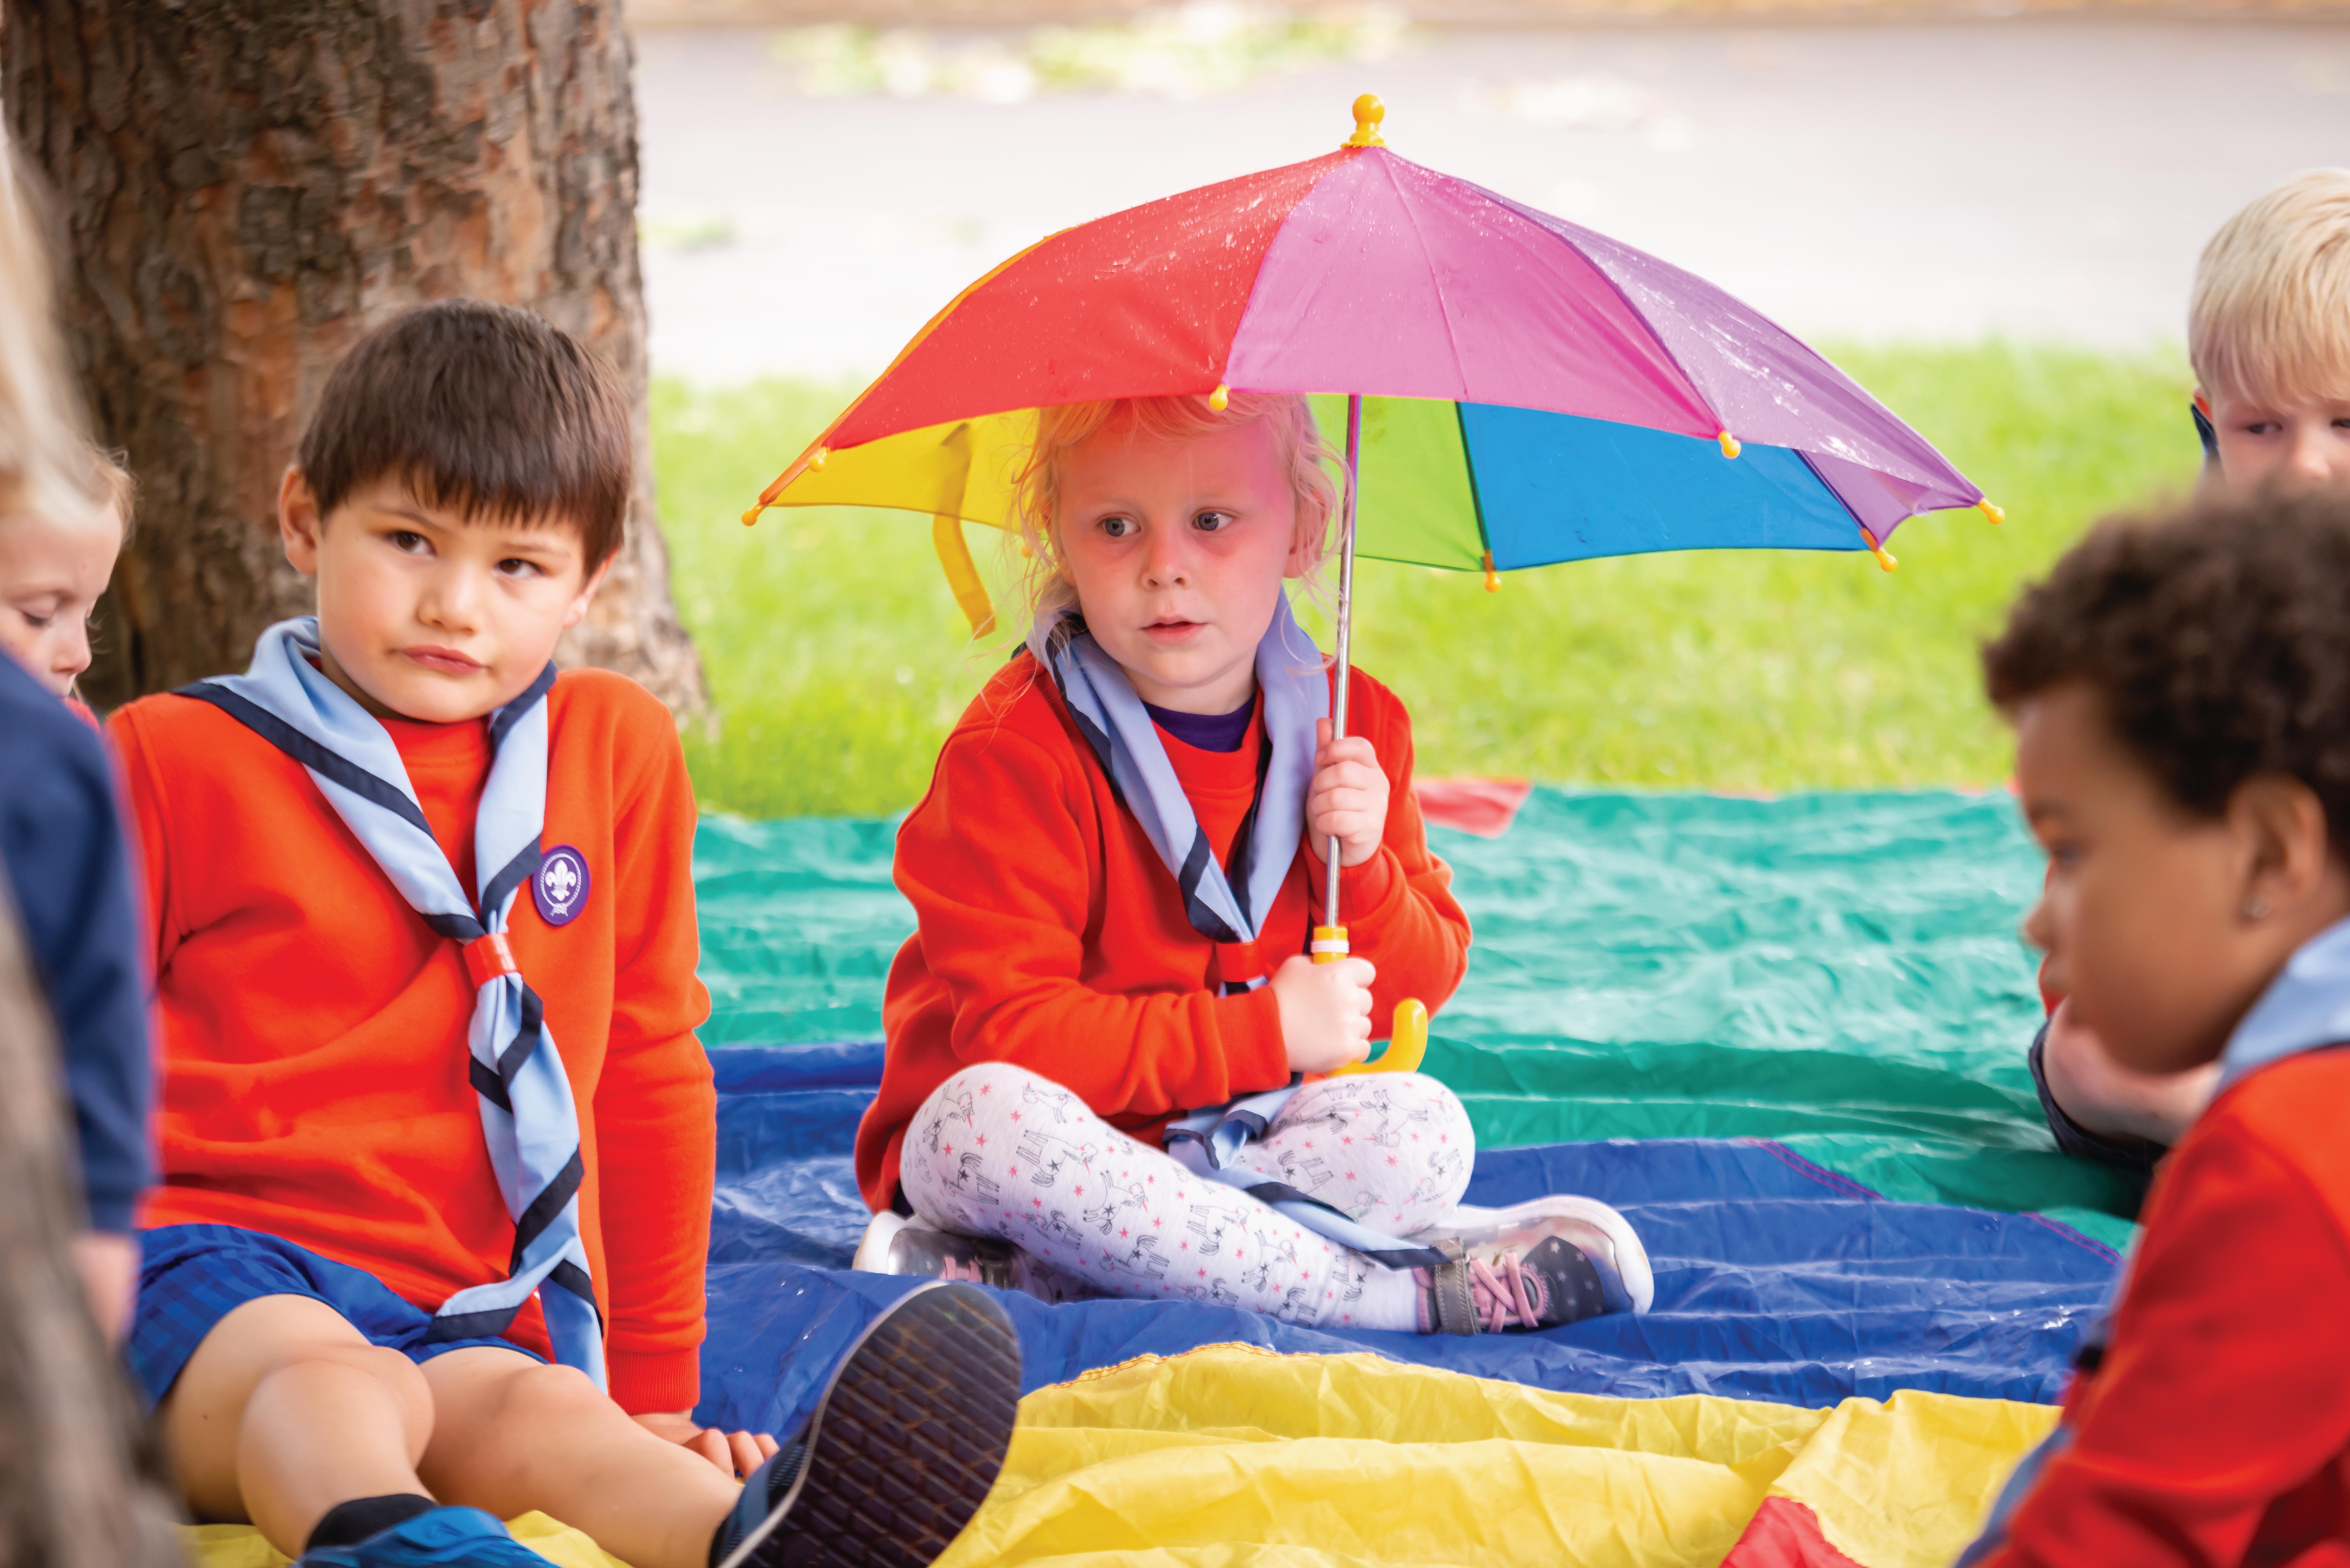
{"x": 2043, "y": 179}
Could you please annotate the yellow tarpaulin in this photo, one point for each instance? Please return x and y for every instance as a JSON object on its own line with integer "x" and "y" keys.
{"x": 1233, "y": 1457}
{"x": 241, "y": 1546}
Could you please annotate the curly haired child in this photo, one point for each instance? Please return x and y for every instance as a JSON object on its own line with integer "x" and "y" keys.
{"x": 1113, "y": 874}
{"x": 2181, "y": 695}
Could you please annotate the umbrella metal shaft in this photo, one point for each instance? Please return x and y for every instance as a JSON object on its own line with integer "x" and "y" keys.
{"x": 1345, "y": 638}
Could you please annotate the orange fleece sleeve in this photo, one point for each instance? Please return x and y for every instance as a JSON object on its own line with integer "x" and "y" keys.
{"x": 2226, "y": 1390}
{"x": 655, "y": 1111}
{"x": 995, "y": 862}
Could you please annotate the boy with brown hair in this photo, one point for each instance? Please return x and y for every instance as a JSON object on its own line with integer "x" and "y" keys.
{"x": 2267, "y": 333}
{"x": 2180, "y": 693}
{"x": 437, "y": 1137}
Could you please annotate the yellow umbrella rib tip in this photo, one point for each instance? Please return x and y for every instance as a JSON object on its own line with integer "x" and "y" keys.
{"x": 1996, "y": 514}
{"x": 1730, "y": 447}
{"x": 1885, "y": 561}
{"x": 812, "y": 458}
{"x": 1493, "y": 577}
{"x": 1369, "y": 112}
{"x": 1221, "y": 399}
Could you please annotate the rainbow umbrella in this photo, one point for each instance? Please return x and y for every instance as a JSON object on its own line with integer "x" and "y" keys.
{"x": 1512, "y": 390}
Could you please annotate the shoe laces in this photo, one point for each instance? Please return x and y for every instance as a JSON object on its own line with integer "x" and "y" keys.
{"x": 1498, "y": 1295}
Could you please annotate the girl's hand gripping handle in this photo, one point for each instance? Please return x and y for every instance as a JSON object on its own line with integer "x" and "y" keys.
{"x": 1406, "y": 1047}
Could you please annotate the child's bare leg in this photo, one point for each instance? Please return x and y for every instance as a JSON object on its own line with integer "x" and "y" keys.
{"x": 510, "y": 1435}
{"x": 285, "y": 1410}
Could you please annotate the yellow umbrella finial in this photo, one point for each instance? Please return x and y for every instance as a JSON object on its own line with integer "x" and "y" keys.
{"x": 1997, "y": 514}
{"x": 1885, "y": 561}
{"x": 1369, "y": 112}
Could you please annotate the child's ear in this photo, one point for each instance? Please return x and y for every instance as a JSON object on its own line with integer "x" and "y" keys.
{"x": 2286, "y": 850}
{"x": 578, "y": 610}
{"x": 298, "y": 523}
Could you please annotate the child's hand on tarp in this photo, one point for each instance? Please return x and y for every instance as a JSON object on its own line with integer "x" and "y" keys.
{"x": 735, "y": 1453}
{"x": 1326, "y": 1011}
{"x": 1347, "y": 799}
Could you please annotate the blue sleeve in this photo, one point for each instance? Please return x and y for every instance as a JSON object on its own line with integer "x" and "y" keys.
{"x": 70, "y": 874}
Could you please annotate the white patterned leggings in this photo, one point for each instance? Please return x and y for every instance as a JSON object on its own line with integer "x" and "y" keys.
{"x": 997, "y": 1150}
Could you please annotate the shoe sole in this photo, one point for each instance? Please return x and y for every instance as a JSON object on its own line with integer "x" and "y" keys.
{"x": 905, "y": 1442}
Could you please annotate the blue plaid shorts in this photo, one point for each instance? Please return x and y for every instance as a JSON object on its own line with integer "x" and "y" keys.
{"x": 192, "y": 1277}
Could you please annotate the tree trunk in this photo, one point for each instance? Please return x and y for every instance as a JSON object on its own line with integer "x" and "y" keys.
{"x": 247, "y": 185}
{"x": 79, "y": 1484}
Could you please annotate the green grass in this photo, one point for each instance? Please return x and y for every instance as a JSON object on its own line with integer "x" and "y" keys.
{"x": 838, "y": 661}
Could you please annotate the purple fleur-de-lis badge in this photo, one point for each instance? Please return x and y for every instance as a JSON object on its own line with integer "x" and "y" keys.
{"x": 561, "y": 884}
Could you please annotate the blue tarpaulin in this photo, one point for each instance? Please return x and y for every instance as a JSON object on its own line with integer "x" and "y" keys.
{"x": 1792, "y": 1006}
{"x": 1776, "y": 1279}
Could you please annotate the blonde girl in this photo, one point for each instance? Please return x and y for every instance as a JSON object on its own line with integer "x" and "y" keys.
{"x": 1094, "y": 1033}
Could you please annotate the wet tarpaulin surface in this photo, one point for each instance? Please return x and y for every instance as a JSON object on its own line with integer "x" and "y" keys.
{"x": 1786, "y": 1037}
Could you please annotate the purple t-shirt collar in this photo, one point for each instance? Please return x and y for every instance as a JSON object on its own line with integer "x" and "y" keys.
{"x": 1207, "y": 732}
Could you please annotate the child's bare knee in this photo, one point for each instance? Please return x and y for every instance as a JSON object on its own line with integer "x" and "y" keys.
{"x": 502, "y": 1423}
{"x": 543, "y": 1397}
{"x": 261, "y": 1355}
{"x": 228, "y": 1415}
{"x": 399, "y": 1378}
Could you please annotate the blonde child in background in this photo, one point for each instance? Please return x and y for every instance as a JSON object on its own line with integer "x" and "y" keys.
{"x": 67, "y": 867}
{"x": 53, "y": 566}
{"x": 2268, "y": 331}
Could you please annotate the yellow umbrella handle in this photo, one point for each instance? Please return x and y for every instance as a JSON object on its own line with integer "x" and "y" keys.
{"x": 1405, "y": 1046}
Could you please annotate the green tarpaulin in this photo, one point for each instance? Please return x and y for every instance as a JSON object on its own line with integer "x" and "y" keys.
{"x": 1840, "y": 972}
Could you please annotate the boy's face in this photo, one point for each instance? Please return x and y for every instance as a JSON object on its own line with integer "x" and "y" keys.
{"x": 423, "y": 614}
{"x": 2161, "y": 927}
{"x": 51, "y": 574}
{"x": 2300, "y": 440}
{"x": 1178, "y": 548}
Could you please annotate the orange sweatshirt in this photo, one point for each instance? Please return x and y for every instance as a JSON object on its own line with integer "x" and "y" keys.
{"x": 2216, "y": 1427}
{"x": 314, "y": 1027}
{"x": 1051, "y": 934}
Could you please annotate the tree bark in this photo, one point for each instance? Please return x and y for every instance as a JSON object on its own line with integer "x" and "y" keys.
{"x": 78, "y": 1475}
{"x": 247, "y": 185}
